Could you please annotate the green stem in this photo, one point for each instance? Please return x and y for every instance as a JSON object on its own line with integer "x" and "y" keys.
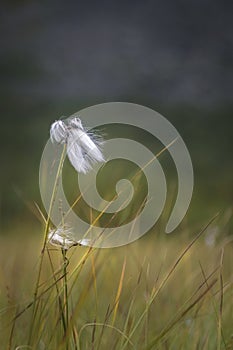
{"x": 46, "y": 231}
{"x": 66, "y": 303}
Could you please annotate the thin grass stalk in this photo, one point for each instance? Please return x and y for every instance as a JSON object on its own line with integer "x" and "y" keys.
{"x": 75, "y": 337}
{"x": 128, "y": 320}
{"x": 66, "y": 301}
{"x": 103, "y": 328}
{"x": 45, "y": 313}
{"x": 182, "y": 308}
{"x": 93, "y": 336}
{"x": 9, "y": 347}
{"x": 119, "y": 290}
{"x": 170, "y": 326}
{"x": 108, "y": 326}
{"x": 164, "y": 281}
{"x": 58, "y": 295}
{"x": 220, "y": 331}
{"x": 29, "y": 305}
{"x": 217, "y": 312}
{"x": 147, "y": 314}
{"x": 85, "y": 291}
{"x": 63, "y": 316}
{"x": 34, "y": 310}
{"x": 95, "y": 284}
{"x": 133, "y": 177}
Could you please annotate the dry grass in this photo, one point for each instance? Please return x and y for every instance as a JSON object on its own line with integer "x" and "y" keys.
{"x": 161, "y": 292}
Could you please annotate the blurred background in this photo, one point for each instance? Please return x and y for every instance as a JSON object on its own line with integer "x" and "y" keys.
{"x": 58, "y": 57}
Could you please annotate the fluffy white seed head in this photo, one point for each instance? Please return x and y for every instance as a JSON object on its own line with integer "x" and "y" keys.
{"x": 58, "y": 132}
{"x": 62, "y": 238}
{"x": 83, "y": 148}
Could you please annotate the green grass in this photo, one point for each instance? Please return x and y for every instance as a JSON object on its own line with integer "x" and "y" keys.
{"x": 161, "y": 292}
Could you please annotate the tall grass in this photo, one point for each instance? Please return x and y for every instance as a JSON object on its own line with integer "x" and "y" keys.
{"x": 161, "y": 292}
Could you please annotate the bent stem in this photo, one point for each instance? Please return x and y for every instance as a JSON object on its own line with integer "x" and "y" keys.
{"x": 46, "y": 231}
{"x": 65, "y": 291}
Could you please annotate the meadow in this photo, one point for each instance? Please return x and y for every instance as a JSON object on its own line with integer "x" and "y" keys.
{"x": 160, "y": 292}
{"x": 157, "y": 293}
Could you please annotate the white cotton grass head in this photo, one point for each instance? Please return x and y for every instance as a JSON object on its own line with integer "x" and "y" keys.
{"x": 58, "y": 132}
{"x": 83, "y": 149}
{"x": 62, "y": 238}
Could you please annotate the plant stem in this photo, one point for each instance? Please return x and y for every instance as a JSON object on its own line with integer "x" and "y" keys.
{"x": 66, "y": 302}
{"x": 46, "y": 231}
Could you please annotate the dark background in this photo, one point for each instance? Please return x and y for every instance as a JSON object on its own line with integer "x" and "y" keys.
{"x": 57, "y": 57}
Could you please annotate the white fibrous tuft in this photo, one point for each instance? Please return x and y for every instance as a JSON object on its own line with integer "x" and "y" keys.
{"x": 82, "y": 148}
{"x": 76, "y": 123}
{"x": 58, "y": 132}
{"x": 62, "y": 238}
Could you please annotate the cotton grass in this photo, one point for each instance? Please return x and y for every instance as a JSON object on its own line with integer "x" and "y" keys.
{"x": 83, "y": 148}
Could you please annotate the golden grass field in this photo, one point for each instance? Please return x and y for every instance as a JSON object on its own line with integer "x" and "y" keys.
{"x": 160, "y": 292}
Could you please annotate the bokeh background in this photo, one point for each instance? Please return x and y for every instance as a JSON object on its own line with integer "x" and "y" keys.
{"x": 57, "y": 57}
